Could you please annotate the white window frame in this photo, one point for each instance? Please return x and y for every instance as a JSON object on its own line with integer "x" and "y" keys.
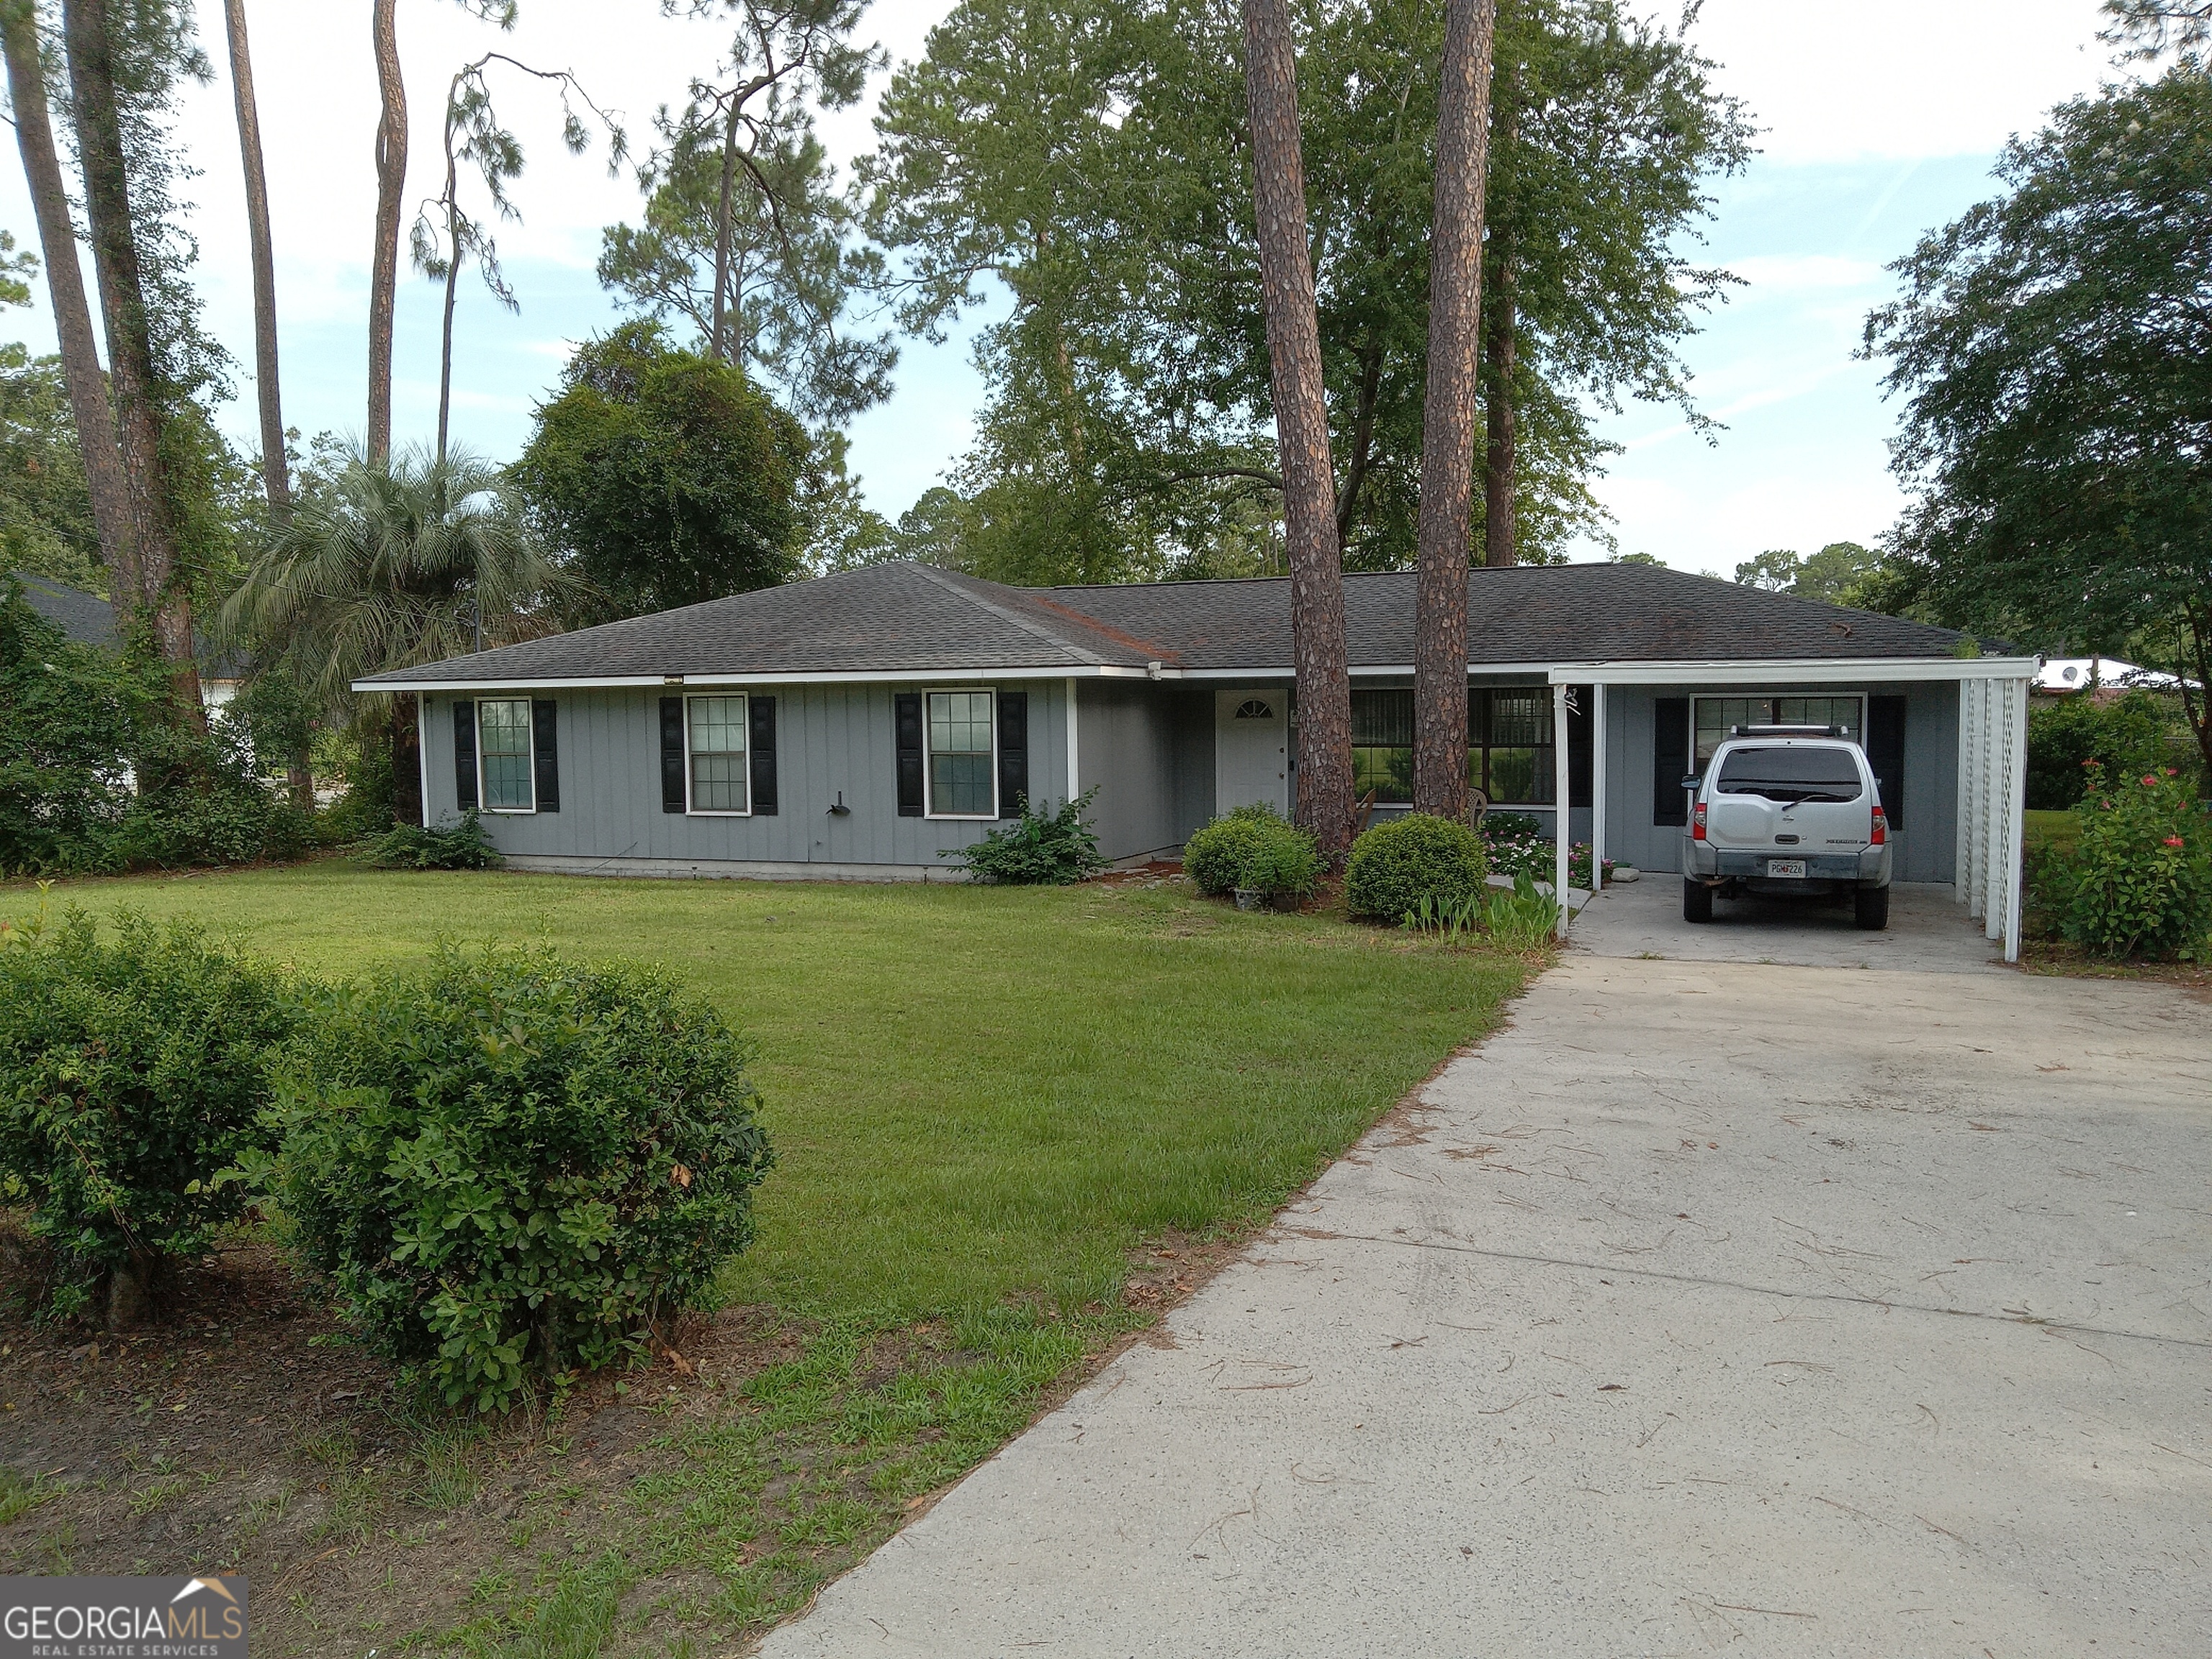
{"x": 929, "y": 772}
{"x": 745, "y": 726}
{"x": 1752, "y": 694}
{"x": 529, "y": 725}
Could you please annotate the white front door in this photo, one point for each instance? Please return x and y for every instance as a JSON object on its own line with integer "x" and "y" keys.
{"x": 1251, "y": 750}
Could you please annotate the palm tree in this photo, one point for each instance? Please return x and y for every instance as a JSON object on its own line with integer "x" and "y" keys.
{"x": 396, "y": 561}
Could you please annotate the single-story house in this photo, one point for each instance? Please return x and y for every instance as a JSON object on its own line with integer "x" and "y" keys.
{"x": 858, "y": 726}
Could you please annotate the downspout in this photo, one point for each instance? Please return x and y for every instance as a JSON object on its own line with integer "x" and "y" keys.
{"x": 1074, "y": 789}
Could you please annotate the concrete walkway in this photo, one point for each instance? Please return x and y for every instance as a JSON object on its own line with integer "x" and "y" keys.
{"x": 1713, "y": 1305}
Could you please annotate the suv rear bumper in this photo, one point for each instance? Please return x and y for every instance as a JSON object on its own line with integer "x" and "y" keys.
{"x": 1704, "y": 860}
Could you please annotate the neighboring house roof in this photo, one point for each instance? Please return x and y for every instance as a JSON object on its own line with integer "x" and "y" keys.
{"x": 913, "y": 619}
{"x": 85, "y": 618}
{"x": 2079, "y": 673}
{"x": 90, "y": 620}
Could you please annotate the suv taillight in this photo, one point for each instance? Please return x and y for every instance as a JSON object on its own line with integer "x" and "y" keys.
{"x": 1880, "y": 828}
{"x": 1697, "y": 822}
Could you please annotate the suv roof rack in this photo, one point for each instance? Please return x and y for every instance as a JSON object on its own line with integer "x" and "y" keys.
{"x": 1790, "y": 731}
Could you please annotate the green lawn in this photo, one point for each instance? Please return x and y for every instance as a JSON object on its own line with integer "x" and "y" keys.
{"x": 2058, "y": 831}
{"x": 982, "y": 1100}
{"x": 974, "y": 1092}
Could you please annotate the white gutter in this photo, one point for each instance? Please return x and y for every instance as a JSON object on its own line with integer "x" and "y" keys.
{"x": 1764, "y": 670}
{"x": 1816, "y": 671}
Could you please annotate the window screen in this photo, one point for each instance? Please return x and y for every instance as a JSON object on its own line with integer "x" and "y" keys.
{"x": 961, "y": 762}
{"x": 503, "y": 744}
{"x": 718, "y": 755}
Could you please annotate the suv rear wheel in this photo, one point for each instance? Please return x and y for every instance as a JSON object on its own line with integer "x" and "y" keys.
{"x": 1872, "y": 906}
{"x": 1697, "y": 901}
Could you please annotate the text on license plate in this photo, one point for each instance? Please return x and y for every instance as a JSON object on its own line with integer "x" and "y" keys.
{"x": 1786, "y": 867}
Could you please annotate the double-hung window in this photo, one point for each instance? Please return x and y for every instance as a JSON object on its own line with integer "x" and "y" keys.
{"x": 717, "y": 759}
{"x": 504, "y": 760}
{"x": 1717, "y": 715}
{"x": 963, "y": 772}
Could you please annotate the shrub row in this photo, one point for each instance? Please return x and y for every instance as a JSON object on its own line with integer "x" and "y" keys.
{"x": 502, "y": 1165}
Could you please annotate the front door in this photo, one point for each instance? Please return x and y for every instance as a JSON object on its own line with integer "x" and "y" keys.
{"x": 1252, "y": 749}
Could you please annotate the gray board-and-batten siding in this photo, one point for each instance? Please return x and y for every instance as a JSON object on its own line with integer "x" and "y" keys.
{"x": 1148, "y": 749}
{"x": 830, "y": 740}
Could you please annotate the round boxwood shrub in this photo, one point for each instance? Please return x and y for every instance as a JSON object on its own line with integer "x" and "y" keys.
{"x": 133, "y": 1071}
{"x": 509, "y": 1162}
{"x": 1214, "y": 858}
{"x": 1398, "y": 863}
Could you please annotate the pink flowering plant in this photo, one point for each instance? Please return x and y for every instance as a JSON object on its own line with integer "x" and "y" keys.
{"x": 2139, "y": 881}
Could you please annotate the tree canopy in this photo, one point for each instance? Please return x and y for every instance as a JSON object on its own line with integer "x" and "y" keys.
{"x": 1088, "y": 158}
{"x": 661, "y": 478}
{"x": 2054, "y": 347}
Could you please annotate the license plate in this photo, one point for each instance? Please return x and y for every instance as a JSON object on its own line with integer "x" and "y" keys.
{"x": 1786, "y": 867}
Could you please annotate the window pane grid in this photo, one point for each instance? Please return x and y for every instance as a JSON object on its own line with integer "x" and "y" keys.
{"x": 503, "y": 754}
{"x": 718, "y": 779}
{"x": 1716, "y": 715}
{"x": 1509, "y": 756}
{"x": 961, "y": 760}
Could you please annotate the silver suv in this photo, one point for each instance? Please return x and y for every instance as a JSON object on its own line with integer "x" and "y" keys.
{"x": 1786, "y": 809}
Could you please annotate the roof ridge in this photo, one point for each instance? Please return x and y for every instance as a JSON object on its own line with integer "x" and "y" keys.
{"x": 945, "y": 579}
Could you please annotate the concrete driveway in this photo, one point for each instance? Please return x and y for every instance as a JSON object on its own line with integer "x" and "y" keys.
{"x": 1714, "y": 1305}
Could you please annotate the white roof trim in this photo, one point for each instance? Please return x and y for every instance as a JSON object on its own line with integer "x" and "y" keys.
{"x": 1818, "y": 671}
{"x": 1764, "y": 670}
{"x": 695, "y": 682}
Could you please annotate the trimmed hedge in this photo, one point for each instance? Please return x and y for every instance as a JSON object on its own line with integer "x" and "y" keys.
{"x": 1397, "y": 864}
{"x": 509, "y": 1162}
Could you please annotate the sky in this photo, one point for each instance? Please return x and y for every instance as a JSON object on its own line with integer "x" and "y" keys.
{"x": 1879, "y": 121}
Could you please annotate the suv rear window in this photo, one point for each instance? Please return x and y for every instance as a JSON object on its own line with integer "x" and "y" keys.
{"x": 1790, "y": 773}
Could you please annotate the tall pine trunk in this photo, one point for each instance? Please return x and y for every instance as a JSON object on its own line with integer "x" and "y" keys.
{"x": 80, "y": 346}
{"x": 1324, "y": 685}
{"x": 724, "y": 209}
{"x": 384, "y": 258}
{"x": 275, "y": 475}
{"x": 453, "y": 270}
{"x": 132, "y": 382}
{"x": 1447, "y": 417}
{"x": 1501, "y": 329}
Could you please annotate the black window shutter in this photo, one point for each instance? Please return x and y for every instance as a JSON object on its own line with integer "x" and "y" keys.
{"x": 1885, "y": 750}
{"x": 909, "y": 706}
{"x": 671, "y": 754}
{"x": 760, "y": 714}
{"x": 1013, "y": 753}
{"x": 1581, "y": 720}
{"x": 464, "y": 755}
{"x": 545, "y": 743}
{"x": 1670, "y": 760}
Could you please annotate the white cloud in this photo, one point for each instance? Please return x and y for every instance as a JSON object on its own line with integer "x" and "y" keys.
{"x": 1773, "y": 273}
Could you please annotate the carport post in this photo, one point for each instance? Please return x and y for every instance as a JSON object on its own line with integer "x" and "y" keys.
{"x": 1597, "y": 788}
{"x": 2016, "y": 791}
{"x": 1559, "y": 802}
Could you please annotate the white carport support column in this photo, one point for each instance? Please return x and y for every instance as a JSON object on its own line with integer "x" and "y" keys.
{"x": 1597, "y": 788}
{"x": 1560, "y": 810}
{"x": 1992, "y": 804}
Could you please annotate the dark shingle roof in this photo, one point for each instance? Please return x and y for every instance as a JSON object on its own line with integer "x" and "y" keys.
{"x": 909, "y": 618}
{"x": 85, "y": 618}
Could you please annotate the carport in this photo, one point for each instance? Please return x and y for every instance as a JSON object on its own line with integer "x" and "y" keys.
{"x": 1990, "y": 761}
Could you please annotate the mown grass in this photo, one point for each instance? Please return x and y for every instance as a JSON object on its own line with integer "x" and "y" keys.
{"x": 982, "y": 1100}
{"x": 2056, "y": 831}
